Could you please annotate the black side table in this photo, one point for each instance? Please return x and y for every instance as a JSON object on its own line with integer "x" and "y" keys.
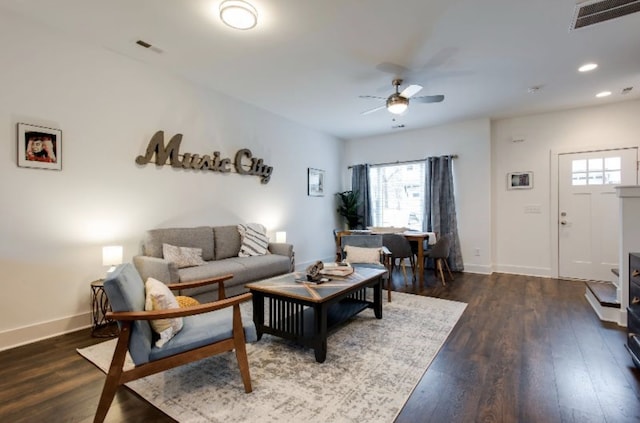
{"x": 101, "y": 327}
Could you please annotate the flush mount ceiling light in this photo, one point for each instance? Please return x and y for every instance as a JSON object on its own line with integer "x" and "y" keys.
{"x": 603, "y": 94}
{"x": 587, "y": 67}
{"x": 238, "y": 14}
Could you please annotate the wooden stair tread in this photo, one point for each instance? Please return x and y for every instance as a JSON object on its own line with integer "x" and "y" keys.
{"x": 605, "y": 293}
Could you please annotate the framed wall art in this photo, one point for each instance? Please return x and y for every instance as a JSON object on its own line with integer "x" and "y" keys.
{"x": 39, "y": 147}
{"x": 520, "y": 180}
{"x": 315, "y": 182}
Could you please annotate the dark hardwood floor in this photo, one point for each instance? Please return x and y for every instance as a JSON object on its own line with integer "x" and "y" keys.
{"x": 525, "y": 350}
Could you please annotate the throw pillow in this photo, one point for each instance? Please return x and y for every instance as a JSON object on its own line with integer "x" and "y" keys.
{"x": 254, "y": 240}
{"x": 182, "y": 256}
{"x": 185, "y": 301}
{"x": 160, "y": 297}
{"x": 361, "y": 254}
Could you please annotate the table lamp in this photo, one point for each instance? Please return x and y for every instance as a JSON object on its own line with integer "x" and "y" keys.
{"x": 112, "y": 256}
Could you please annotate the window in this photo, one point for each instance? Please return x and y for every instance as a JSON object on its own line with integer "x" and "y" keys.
{"x": 397, "y": 195}
{"x": 598, "y": 171}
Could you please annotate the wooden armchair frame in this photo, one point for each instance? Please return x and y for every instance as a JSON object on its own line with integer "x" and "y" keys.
{"x": 118, "y": 376}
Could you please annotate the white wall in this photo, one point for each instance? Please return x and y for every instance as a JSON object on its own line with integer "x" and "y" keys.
{"x": 527, "y": 243}
{"x": 471, "y": 141}
{"x": 54, "y": 223}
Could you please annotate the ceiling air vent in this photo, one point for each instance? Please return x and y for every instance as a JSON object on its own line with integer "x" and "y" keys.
{"x": 149, "y": 46}
{"x": 592, "y": 12}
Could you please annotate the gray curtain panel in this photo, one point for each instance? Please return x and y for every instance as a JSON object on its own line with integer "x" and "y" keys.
{"x": 440, "y": 205}
{"x": 360, "y": 183}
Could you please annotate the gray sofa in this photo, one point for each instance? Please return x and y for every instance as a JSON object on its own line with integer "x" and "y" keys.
{"x": 220, "y": 246}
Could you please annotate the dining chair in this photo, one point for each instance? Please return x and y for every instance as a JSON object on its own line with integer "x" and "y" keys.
{"x": 368, "y": 242}
{"x": 400, "y": 249}
{"x": 439, "y": 252}
{"x": 337, "y": 235}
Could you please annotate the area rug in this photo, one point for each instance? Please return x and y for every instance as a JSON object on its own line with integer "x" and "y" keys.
{"x": 371, "y": 369}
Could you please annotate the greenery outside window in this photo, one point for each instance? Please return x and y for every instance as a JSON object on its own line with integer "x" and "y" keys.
{"x": 397, "y": 195}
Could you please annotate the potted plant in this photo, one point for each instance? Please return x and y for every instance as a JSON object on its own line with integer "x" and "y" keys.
{"x": 348, "y": 208}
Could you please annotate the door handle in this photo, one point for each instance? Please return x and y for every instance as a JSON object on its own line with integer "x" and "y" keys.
{"x": 563, "y": 222}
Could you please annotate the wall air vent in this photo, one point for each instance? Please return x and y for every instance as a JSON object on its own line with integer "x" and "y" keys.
{"x": 592, "y": 12}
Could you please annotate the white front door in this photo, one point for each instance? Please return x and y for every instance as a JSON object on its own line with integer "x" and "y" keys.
{"x": 588, "y": 211}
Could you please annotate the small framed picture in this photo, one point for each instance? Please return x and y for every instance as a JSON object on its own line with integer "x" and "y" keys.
{"x": 315, "y": 182}
{"x": 520, "y": 180}
{"x": 39, "y": 147}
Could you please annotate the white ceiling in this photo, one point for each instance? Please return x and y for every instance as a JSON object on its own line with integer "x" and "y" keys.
{"x": 310, "y": 60}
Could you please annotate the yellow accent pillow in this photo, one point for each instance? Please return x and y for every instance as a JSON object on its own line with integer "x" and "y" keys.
{"x": 185, "y": 301}
{"x": 160, "y": 297}
{"x": 362, "y": 255}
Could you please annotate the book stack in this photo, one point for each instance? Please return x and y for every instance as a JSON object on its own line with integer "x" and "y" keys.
{"x": 336, "y": 269}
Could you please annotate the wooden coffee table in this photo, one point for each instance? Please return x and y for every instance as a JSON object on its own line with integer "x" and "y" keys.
{"x": 306, "y": 312}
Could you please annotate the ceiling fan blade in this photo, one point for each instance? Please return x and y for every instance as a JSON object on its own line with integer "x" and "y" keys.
{"x": 372, "y": 96}
{"x": 410, "y": 91}
{"x": 428, "y": 99}
{"x": 366, "y": 112}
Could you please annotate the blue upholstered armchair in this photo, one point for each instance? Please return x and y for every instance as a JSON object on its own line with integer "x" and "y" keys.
{"x": 208, "y": 329}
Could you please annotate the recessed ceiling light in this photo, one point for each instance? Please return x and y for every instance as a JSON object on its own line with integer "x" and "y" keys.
{"x": 238, "y": 14}
{"x": 587, "y": 67}
{"x": 603, "y": 94}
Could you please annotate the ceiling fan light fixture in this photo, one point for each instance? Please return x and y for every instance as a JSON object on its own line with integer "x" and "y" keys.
{"x": 397, "y": 104}
{"x": 238, "y": 14}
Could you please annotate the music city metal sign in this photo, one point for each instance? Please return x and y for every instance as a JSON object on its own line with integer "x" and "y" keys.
{"x": 244, "y": 163}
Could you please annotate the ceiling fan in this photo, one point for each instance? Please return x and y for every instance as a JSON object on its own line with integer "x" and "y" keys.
{"x": 398, "y": 102}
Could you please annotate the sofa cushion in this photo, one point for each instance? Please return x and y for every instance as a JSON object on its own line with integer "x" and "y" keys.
{"x": 211, "y": 270}
{"x": 227, "y": 241}
{"x": 199, "y": 237}
{"x": 182, "y": 256}
{"x": 254, "y": 240}
{"x": 262, "y": 267}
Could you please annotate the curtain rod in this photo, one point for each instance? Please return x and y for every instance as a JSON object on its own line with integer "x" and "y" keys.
{"x": 453, "y": 156}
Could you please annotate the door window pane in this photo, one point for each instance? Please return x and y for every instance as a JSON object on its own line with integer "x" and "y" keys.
{"x": 613, "y": 163}
{"x": 579, "y": 179}
{"x": 613, "y": 177}
{"x": 579, "y": 166}
{"x": 595, "y": 178}
{"x": 595, "y": 164}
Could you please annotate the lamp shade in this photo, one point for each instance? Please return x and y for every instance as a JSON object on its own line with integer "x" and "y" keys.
{"x": 281, "y": 236}
{"x": 112, "y": 255}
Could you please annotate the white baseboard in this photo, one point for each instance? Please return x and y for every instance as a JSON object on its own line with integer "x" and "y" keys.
{"x": 477, "y": 268}
{"x": 544, "y": 272}
{"x": 26, "y": 335}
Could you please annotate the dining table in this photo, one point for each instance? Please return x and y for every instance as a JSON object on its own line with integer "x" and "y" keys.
{"x": 420, "y": 238}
